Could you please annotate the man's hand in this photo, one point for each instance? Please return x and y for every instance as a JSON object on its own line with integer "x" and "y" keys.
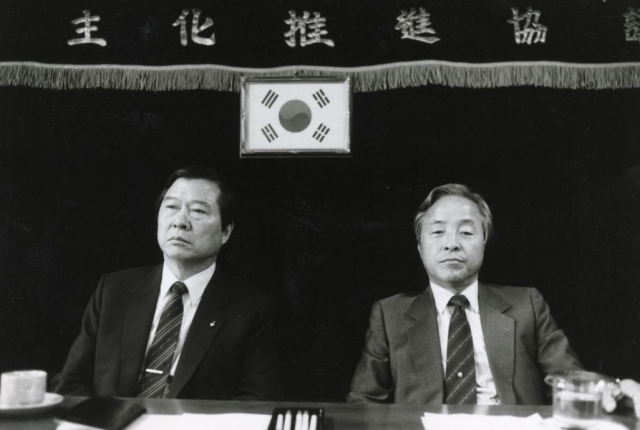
{"x": 629, "y": 389}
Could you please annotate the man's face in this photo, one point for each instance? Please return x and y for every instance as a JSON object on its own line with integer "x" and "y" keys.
{"x": 452, "y": 243}
{"x": 189, "y": 225}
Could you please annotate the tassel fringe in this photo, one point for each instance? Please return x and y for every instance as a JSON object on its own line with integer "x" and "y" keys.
{"x": 363, "y": 79}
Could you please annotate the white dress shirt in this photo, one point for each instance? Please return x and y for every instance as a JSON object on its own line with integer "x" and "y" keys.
{"x": 486, "y": 388}
{"x": 190, "y": 301}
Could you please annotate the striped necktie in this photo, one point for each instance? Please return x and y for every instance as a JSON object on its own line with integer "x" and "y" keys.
{"x": 460, "y": 380}
{"x": 157, "y": 364}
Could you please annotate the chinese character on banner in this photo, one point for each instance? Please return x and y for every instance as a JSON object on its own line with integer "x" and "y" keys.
{"x": 311, "y": 29}
{"x": 632, "y": 25}
{"x": 196, "y": 28}
{"x": 531, "y": 31}
{"x": 412, "y": 24}
{"x": 87, "y": 29}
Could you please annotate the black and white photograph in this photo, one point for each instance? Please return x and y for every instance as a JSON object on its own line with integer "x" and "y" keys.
{"x": 308, "y": 214}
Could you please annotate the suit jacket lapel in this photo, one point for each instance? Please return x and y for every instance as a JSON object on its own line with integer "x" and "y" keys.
{"x": 425, "y": 346}
{"x": 206, "y": 324}
{"x": 499, "y": 339}
{"x": 140, "y": 306}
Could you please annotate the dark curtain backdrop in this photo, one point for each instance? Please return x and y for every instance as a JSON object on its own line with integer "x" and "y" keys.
{"x": 80, "y": 171}
{"x": 250, "y": 33}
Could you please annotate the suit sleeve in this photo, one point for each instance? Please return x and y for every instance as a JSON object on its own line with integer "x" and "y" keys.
{"x": 260, "y": 371}
{"x": 554, "y": 352}
{"x": 77, "y": 374}
{"x": 373, "y": 381}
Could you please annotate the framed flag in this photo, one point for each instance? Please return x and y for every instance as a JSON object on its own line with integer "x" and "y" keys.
{"x": 295, "y": 116}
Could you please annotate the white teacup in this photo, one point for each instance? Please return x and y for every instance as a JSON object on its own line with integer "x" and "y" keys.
{"x": 23, "y": 387}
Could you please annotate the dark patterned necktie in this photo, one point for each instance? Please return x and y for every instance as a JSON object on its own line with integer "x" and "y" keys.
{"x": 157, "y": 364}
{"x": 460, "y": 381}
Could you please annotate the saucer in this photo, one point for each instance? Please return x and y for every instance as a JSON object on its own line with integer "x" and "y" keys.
{"x": 50, "y": 400}
{"x": 549, "y": 424}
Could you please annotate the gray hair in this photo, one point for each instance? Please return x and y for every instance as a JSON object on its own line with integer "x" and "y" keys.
{"x": 460, "y": 191}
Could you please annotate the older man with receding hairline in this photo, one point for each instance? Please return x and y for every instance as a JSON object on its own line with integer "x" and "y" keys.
{"x": 459, "y": 341}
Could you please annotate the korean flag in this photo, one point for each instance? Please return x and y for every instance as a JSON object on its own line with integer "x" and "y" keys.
{"x": 295, "y": 116}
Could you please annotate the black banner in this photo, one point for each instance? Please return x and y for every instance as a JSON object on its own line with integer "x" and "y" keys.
{"x": 182, "y": 44}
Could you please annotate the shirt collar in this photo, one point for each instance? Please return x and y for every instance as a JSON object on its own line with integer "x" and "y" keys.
{"x": 442, "y": 296}
{"x": 195, "y": 284}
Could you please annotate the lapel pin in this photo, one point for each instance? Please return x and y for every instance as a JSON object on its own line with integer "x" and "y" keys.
{"x": 212, "y": 323}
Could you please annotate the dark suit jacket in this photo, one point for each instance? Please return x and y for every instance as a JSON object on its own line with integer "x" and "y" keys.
{"x": 236, "y": 358}
{"x": 402, "y": 363}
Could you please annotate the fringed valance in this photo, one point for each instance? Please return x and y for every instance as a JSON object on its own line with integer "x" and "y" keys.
{"x": 388, "y": 44}
{"x": 364, "y": 79}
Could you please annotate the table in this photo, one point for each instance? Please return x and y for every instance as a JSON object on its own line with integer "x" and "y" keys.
{"x": 338, "y": 416}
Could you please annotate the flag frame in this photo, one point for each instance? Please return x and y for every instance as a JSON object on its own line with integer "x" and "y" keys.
{"x": 294, "y": 143}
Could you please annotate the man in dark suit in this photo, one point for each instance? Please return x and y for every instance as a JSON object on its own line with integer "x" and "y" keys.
{"x": 459, "y": 341}
{"x": 184, "y": 329}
